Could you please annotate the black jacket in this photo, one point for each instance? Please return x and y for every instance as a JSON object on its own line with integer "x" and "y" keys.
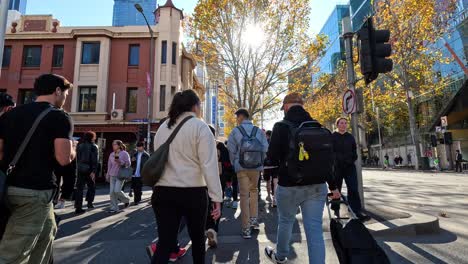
{"x": 87, "y": 153}
{"x": 279, "y": 145}
{"x": 345, "y": 149}
{"x": 144, "y": 158}
{"x": 459, "y": 157}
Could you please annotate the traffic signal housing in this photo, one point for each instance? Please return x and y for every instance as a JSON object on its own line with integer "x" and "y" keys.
{"x": 373, "y": 51}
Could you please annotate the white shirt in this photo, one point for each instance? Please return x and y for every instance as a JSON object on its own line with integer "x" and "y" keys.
{"x": 193, "y": 159}
{"x": 138, "y": 166}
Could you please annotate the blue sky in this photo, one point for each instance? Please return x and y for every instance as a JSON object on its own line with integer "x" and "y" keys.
{"x": 99, "y": 12}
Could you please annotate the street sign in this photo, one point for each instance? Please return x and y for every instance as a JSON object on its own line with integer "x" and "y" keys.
{"x": 443, "y": 121}
{"x": 349, "y": 102}
{"x": 214, "y": 107}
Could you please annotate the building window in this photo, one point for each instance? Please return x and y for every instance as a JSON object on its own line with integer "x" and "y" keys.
{"x": 134, "y": 55}
{"x": 57, "y": 57}
{"x": 87, "y": 99}
{"x": 26, "y": 96}
{"x": 164, "y": 52}
{"x": 162, "y": 98}
{"x": 132, "y": 100}
{"x": 6, "y": 56}
{"x": 174, "y": 53}
{"x": 173, "y": 91}
{"x": 32, "y": 56}
{"x": 90, "y": 53}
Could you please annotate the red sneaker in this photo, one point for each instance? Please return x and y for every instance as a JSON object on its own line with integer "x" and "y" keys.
{"x": 176, "y": 256}
{"x": 150, "y": 250}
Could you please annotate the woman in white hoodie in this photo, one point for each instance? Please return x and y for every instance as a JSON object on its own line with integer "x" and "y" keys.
{"x": 190, "y": 177}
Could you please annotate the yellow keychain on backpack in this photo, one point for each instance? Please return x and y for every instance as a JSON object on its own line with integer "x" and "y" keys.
{"x": 303, "y": 154}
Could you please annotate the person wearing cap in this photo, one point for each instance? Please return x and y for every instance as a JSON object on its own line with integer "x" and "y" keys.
{"x": 6, "y": 103}
{"x": 290, "y": 195}
{"x": 247, "y": 178}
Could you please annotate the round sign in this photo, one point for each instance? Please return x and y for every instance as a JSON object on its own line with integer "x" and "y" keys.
{"x": 349, "y": 102}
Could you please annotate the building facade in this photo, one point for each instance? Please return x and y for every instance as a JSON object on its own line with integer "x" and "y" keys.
{"x": 125, "y": 13}
{"x": 18, "y": 5}
{"x": 109, "y": 67}
{"x": 335, "y": 49}
{"x": 360, "y": 11}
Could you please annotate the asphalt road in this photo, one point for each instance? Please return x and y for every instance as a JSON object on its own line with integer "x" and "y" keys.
{"x": 100, "y": 237}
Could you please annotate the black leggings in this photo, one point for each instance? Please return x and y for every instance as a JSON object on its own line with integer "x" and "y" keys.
{"x": 170, "y": 204}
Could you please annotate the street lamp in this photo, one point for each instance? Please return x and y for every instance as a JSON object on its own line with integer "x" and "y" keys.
{"x": 150, "y": 94}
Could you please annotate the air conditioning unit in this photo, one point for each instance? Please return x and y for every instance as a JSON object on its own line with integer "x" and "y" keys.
{"x": 117, "y": 115}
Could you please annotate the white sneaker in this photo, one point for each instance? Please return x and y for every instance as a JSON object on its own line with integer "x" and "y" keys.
{"x": 234, "y": 204}
{"x": 212, "y": 238}
{"x": 271, "y": 255}
{"x": 60, "y": 204}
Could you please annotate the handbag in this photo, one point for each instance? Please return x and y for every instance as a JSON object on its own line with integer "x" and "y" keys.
{"x": 125, "y": 173}
{"x": 154, "y": 168}
{"x": 5, "y": 212}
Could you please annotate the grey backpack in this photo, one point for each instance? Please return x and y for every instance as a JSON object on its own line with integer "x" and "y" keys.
{"x": 251, "y": 150}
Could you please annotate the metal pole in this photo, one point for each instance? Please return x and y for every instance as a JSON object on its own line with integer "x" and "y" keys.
{"x": 3, "y": 20}
{"x": 263, "y": 113}
{"x": 217, "y": 107}
{"x": 380, "y": 137}
{"x": 150, "y": 96}
{"x": 348, "y": 36}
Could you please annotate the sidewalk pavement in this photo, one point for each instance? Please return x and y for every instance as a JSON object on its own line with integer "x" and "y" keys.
{"x": 100, "y": 237}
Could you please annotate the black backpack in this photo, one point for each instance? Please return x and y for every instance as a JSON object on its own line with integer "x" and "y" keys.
{"x": 311, "y": 158}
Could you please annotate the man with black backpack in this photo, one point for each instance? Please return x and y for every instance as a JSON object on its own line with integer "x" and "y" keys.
{"x": 304, "y": 152}
{"x": 247, "y": 147}
{"x": 87, "y": 164}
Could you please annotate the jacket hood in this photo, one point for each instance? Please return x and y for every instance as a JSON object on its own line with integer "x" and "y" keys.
{"x": 298, "y": 114}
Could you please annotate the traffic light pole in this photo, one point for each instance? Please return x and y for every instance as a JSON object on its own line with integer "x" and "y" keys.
{"x": 348, "y": 35}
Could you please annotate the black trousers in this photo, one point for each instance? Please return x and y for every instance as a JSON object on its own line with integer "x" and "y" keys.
{"x": 458, "y": 165}
{"x": 137, "y": 185}
{"x": 81, "y": 180}
{"x": 170, "y": 204}
{"x": 348, "y": 173}
{"x": 67, "y": 176}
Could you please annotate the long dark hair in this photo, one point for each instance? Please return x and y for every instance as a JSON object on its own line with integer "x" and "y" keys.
{"x": 182, "y": 102}
{"x": 89, "y": 137}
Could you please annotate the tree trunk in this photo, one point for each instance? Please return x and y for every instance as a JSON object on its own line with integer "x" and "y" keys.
{"x": 414, "y": 134}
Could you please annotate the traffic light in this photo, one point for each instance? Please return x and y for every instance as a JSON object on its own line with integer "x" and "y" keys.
{"x": 374, "y": 51}
{"x": 142, "y": 132}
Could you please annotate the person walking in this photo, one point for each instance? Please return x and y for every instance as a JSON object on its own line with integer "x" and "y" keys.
{"x": 190, "y": 176}
{"x": 66, "y": 178}
{"x": 344, "y": 146}
{"x": 458, "y": 161}
{"x": 231, "y": 185}
{"x": 139, "y": 159}
{"x": 117, "y": 159}
{"x": 31, "y": 182}
{"x": 247, "y": 147}
{"x": 270, "y": 175}
{"x": 87, "y": 165}
{"x": 309, "y": 194}
{"x": 212, "y": 225}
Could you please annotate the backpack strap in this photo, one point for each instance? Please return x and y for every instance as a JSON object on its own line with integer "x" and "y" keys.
{"x": 254, "y": 132}
{"x": 242, "y": 130}
{"x": 176, "y": 130}
{"x": 27, "y": 139}
{"x": 292, "y": 131}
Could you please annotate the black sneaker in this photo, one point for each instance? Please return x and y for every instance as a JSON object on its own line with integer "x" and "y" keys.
{"x": 363, "y": 217}
{"x": 79, "y": 211}
{"x": 127, "y": 204}
{"x": 90, "y": 205}
{"x": 271, "y": 255}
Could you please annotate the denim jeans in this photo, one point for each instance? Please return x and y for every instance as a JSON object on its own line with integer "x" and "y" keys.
{"x": 311, "y": 200}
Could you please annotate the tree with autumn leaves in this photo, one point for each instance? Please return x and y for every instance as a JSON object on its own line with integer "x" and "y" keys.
{"x": 415, "y": 26}
{"x": 254, "y": 45}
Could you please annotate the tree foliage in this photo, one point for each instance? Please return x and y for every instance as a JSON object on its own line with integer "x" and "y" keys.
{"x": 253, "y": 44}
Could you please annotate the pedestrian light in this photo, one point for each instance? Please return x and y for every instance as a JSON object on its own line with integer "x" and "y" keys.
{"x": 374, "y": 51}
